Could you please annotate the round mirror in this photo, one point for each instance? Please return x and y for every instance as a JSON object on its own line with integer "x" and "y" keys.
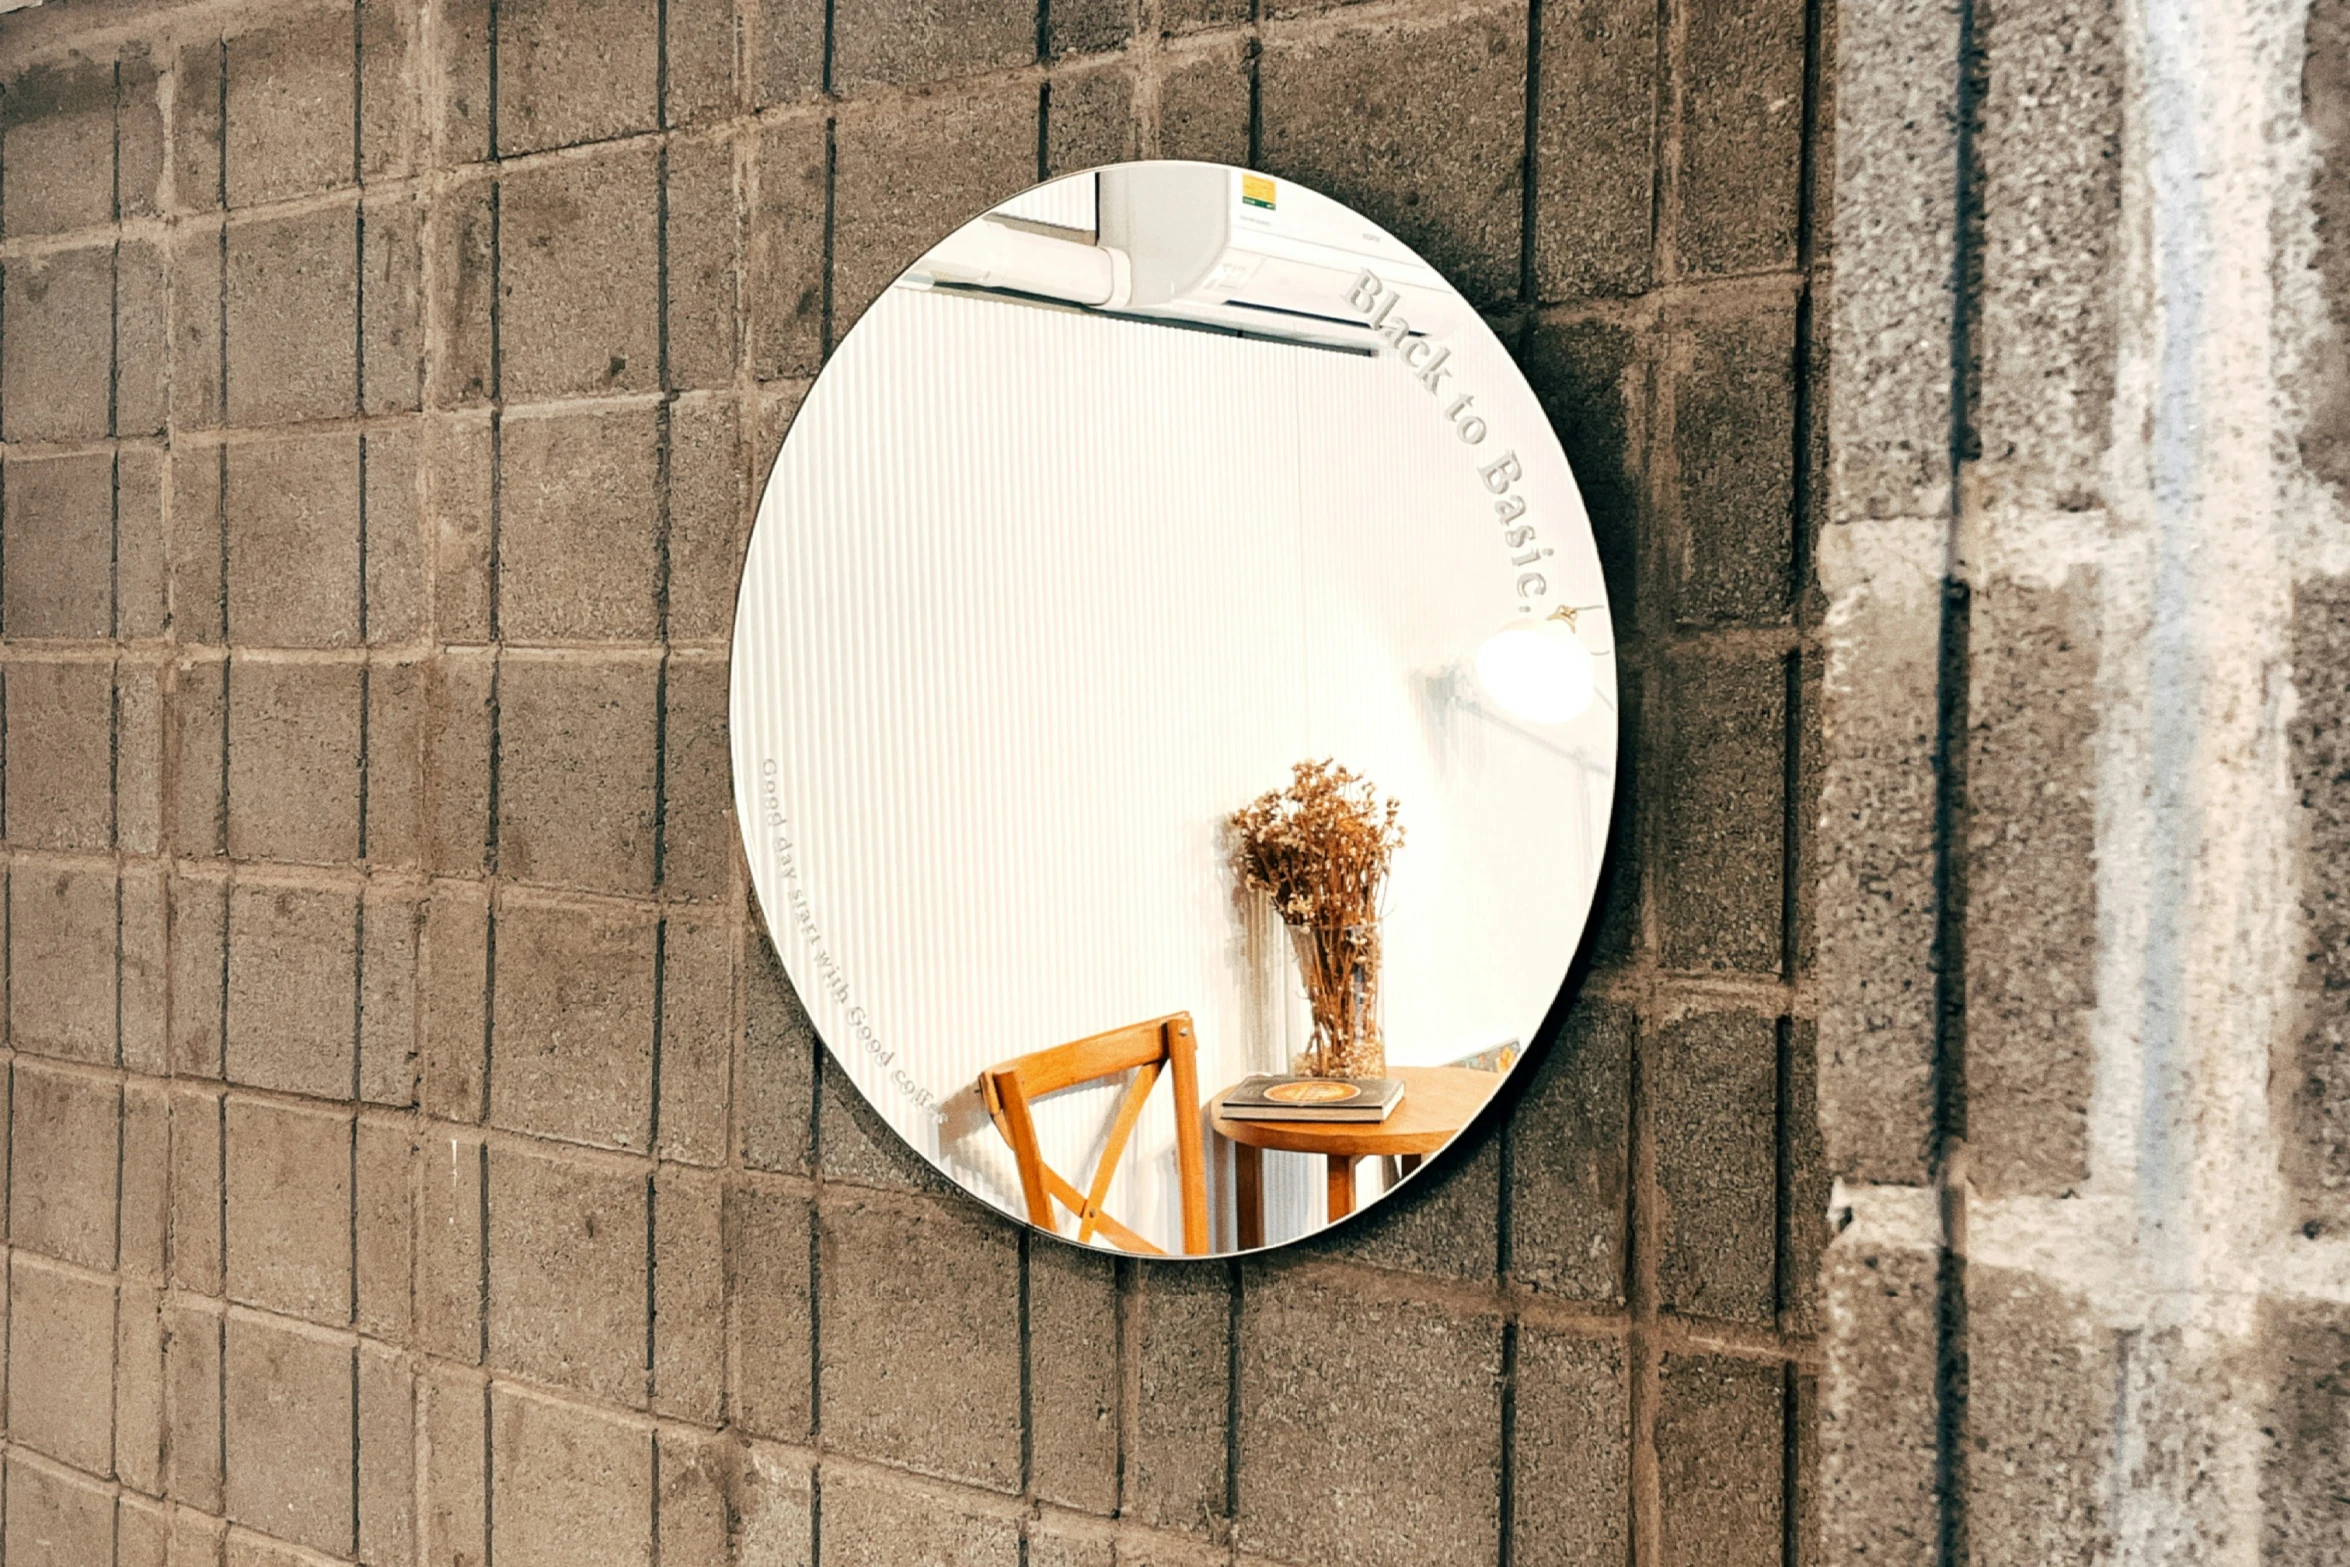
{"x": 1174, "y": 709}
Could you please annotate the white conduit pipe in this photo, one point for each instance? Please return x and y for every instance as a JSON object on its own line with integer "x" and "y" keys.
{"x": 986, "y": 254}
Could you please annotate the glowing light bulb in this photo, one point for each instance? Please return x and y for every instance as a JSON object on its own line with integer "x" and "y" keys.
{"x": 1540, "y": 671}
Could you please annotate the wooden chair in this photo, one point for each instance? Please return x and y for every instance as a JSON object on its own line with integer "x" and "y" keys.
{"x": 1142, "y": 1048}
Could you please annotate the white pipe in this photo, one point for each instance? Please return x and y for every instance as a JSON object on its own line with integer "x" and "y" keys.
{"x": 987, "y": 254}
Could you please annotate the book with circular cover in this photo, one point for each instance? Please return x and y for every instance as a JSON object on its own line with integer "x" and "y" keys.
{"x": 1268, "y": 1098}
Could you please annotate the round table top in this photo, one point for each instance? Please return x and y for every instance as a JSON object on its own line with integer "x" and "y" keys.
{"x": 1437, "y": 1102}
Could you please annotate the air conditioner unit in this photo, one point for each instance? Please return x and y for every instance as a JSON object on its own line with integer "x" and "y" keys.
{"x": 1197, "y": 244}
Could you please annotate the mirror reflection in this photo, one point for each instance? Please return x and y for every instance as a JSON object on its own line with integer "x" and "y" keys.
{"x": 1174, "y": 709}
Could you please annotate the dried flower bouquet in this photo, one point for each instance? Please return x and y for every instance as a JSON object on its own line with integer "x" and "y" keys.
{"x": 1320, "y": 850}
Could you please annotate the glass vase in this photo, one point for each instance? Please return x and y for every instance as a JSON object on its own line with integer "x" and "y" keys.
{"x": 1340, "y": 966}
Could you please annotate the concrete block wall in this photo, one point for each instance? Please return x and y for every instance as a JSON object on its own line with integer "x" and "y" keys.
{"x": 2083, "y": 1010}
{"x": 415, "y": 1153}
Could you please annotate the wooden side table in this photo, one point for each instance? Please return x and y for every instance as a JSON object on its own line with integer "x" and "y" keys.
{"x": 1437, "y": 1102}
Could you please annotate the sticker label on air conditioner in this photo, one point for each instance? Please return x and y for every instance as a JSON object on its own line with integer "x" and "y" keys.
{"x": 1256, "y": 191}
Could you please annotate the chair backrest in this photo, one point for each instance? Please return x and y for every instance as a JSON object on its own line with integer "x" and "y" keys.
{"x": 1143, "y": 1049}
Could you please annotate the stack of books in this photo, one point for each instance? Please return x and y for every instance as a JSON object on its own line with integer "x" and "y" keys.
{"x": 1267, "y": 1098}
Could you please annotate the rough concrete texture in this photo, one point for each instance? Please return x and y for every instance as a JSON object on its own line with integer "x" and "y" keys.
{"x": 417, "y": 1155}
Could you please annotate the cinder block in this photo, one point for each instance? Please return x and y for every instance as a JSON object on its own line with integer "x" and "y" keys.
{"x": 906, "y": 41}
{"x": 698, "y": 836}
{"x": 65, "y": 1162}
{"x": 61, "y": 1364}
{"x": 1087, "y": 27}
{"x": 873, "y": 1521}
{"x": 290, "y": 117}
{"x": 142, "y": 1533}
{"x": 391, "y": 115}
{"x": 689, "y": 1295}
{"x": 294, "y": 761}
{"x": 783, "y": 271}
{"x": 1571, "y": 1505}
{"x": 391, "y": 927}
{"x": 460, "y": 367}
{"x": 2031, "y": 883}
{"x": 1741, "y": 137}
{"x": 191, "y": 1367}
{"x": 1721, "y": 785}
{"x": 706, "y": 533}
{"x": 138, "y": 133}
{"x": 56, "y": 579}
{"x": 568, "y": 1485}
{"x": 1177, "y": 1474}
{"x": 2313, "y": 1117}
{"x": 384, "y": 1165}
{"x": 1089, "y": 120}
{"x": 289, "y": 1209}
{"x": 61, "y": 753}
{"x": 779, "y": 1064}
{"x": 1719, "y": 1445}
{"x": 1569, "y": 1141}
{"x": 774, "y": 1501}
{"x": 855, "y": 1145}
{"x": 1734, "y": 454}
{"x": 292, "y": 977}
{"x": 920, "y": 1302}
{"x": 579, "y": 539}
{"x": 567, "y": 1272}
{"x": 197, "y": 527}
{"x": 59, "y": 123}
{"x": 138, "y": 1388}
{"x": 1204, "y": 107}
{"x": 392, "y": 826}
{"x": 575, "y": 1018}
{"x": 704, "y": 245}
{"x": 2042, "y": 1381}
{"x": 1715, "y": 1088}
{"x": 199, "y": 941}
{"x": 769, "y": 1250}
{"x": 450, "y": 1219}
{"x": 460, "y": 478}
{"x": 573, "y": 71}
{"x": 142, "y": 566}
{"x": 290, "y": 1432}
{"x": 695, "y": 1476}
{"x": 1073, "y": 1377}
{"x": 789, "y": 67}
{"x": 1343, "y": 111}
{"x": 142, "y": 340}
{"x": 1442, "y": 1223}
{"x": 199, "y": 82}
{"x": 387, "y": 1455}
{"x": 697, "y": 1038}
{"x": 293, "y": 541}
{"x": 293, "y": 317}
{"x": 699, "y": 50}
{"x": 578, "y": 750}
{"x": 391, "y": 303}
{"x": 138, "y": 758}
{"x": 196, "y": 742}
{"x": 1064, "y": 1542}
{"x": 199, "y": 354}
{"x": 579, "y": 276}
{"x": 459, "y": 688}
{"x": 56, "y": 367}
{"x": 61, "y": 939}
{"x": 979, "y": 146}
{"x": 1427, "y": 1404}
{"x": 1594, "y": 203}
{"x": 463, "y": 60}
{"x": 197, "y": 1140}
{"x": 145, "y": 1226}
{"x": 2306, "y": 1467}
{"x": 57, "y": 1519}
{"x": 454, "y": 1499}
{"x": 452, "y": 1024}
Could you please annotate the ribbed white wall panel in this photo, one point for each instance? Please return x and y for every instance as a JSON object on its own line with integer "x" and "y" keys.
{"x": 1035, "y": 600}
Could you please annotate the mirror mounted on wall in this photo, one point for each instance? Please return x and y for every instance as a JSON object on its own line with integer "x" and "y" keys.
{"x": 1174, "y": 709}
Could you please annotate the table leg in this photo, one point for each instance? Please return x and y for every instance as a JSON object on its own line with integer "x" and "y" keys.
{"x": 1248, "y": 1180}
{"x": 1408, "y": 1162}
{"x": 1342, "y": 1185}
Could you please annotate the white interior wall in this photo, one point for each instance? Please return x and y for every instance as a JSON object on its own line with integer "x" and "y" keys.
{"x": 1036, "y": 599}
